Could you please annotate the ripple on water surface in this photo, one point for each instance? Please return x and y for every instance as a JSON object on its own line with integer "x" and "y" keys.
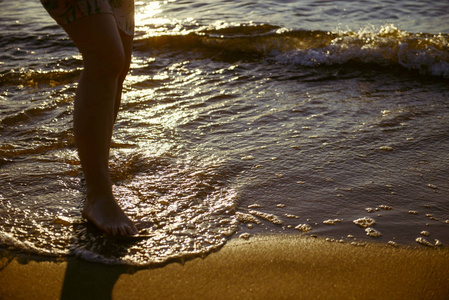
{"x": 182, "y": 209}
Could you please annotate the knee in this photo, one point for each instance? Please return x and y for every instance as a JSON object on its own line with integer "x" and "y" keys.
{"x": 108, "y": 65}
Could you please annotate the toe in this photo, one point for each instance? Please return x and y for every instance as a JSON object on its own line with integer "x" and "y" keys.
{"x": 133, "y": 230}
{"x": 114, "y": 231}
{"x": 122, "y": 230}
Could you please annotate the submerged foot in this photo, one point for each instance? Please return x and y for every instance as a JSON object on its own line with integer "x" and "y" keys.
{"x": 107, "y": 215}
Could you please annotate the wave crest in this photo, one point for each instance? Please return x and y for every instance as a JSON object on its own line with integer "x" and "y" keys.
{"x": 386, "y": 46}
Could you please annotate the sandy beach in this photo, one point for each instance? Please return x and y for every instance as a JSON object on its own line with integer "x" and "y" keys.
{"x": 264, "y": 267}
{"x": 273, "y": 118}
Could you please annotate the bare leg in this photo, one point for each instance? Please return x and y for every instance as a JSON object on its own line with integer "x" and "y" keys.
{"x": 99, "y": 41}
{"x": 127, "y": 42}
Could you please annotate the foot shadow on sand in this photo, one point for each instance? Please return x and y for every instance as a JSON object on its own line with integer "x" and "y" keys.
{"x": 88, "y": 280}
{"x": 85, "y": 279}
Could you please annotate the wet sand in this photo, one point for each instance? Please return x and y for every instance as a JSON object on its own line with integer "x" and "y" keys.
{"x": 265, "y": 267}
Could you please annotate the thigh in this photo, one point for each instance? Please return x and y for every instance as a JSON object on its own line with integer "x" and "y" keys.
{"x": 98, "y": 39}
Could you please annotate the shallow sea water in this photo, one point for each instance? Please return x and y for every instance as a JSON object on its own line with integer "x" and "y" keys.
{"x": 238, "y": 118}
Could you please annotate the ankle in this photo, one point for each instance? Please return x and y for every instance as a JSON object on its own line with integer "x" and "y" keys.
{"x": 99, "y": 194}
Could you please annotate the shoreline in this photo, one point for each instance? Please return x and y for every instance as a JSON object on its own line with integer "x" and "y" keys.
{"x": 267, "y": 266}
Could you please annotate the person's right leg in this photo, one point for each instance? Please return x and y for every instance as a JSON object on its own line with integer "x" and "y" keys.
{"x": 99, "y": 42}
{"x": 127, "y": 42}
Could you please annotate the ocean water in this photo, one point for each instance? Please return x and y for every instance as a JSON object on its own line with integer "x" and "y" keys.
{"x": 238, "y": 118}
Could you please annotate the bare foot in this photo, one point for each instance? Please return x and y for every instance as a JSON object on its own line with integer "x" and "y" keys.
{"x": 107, "y": 215}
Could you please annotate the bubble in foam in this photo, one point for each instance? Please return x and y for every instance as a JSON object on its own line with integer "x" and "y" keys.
{"x": 385, "y": 207}
{"x": 246, "y": 218}
{"x": 432, "y": 186}
{"x": 331, "y": 221}
{"x": 247, "y": 157}
{"x": 432, "y": 217}
{"x": 372, "y": 232}
{"x": 268, "y": 217}
{"x": 292, "y": 216}
{"x": 425, "y": 233}
{"x": 358, "y": 244}
{"x": 386, "y": 148}
{"x": 392, "y": 243}
{"x": 304, "y": 227}
{"x": 244, "y": 236}
{"x": 423, "y": 241}
{"x": 365, "y": 222}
